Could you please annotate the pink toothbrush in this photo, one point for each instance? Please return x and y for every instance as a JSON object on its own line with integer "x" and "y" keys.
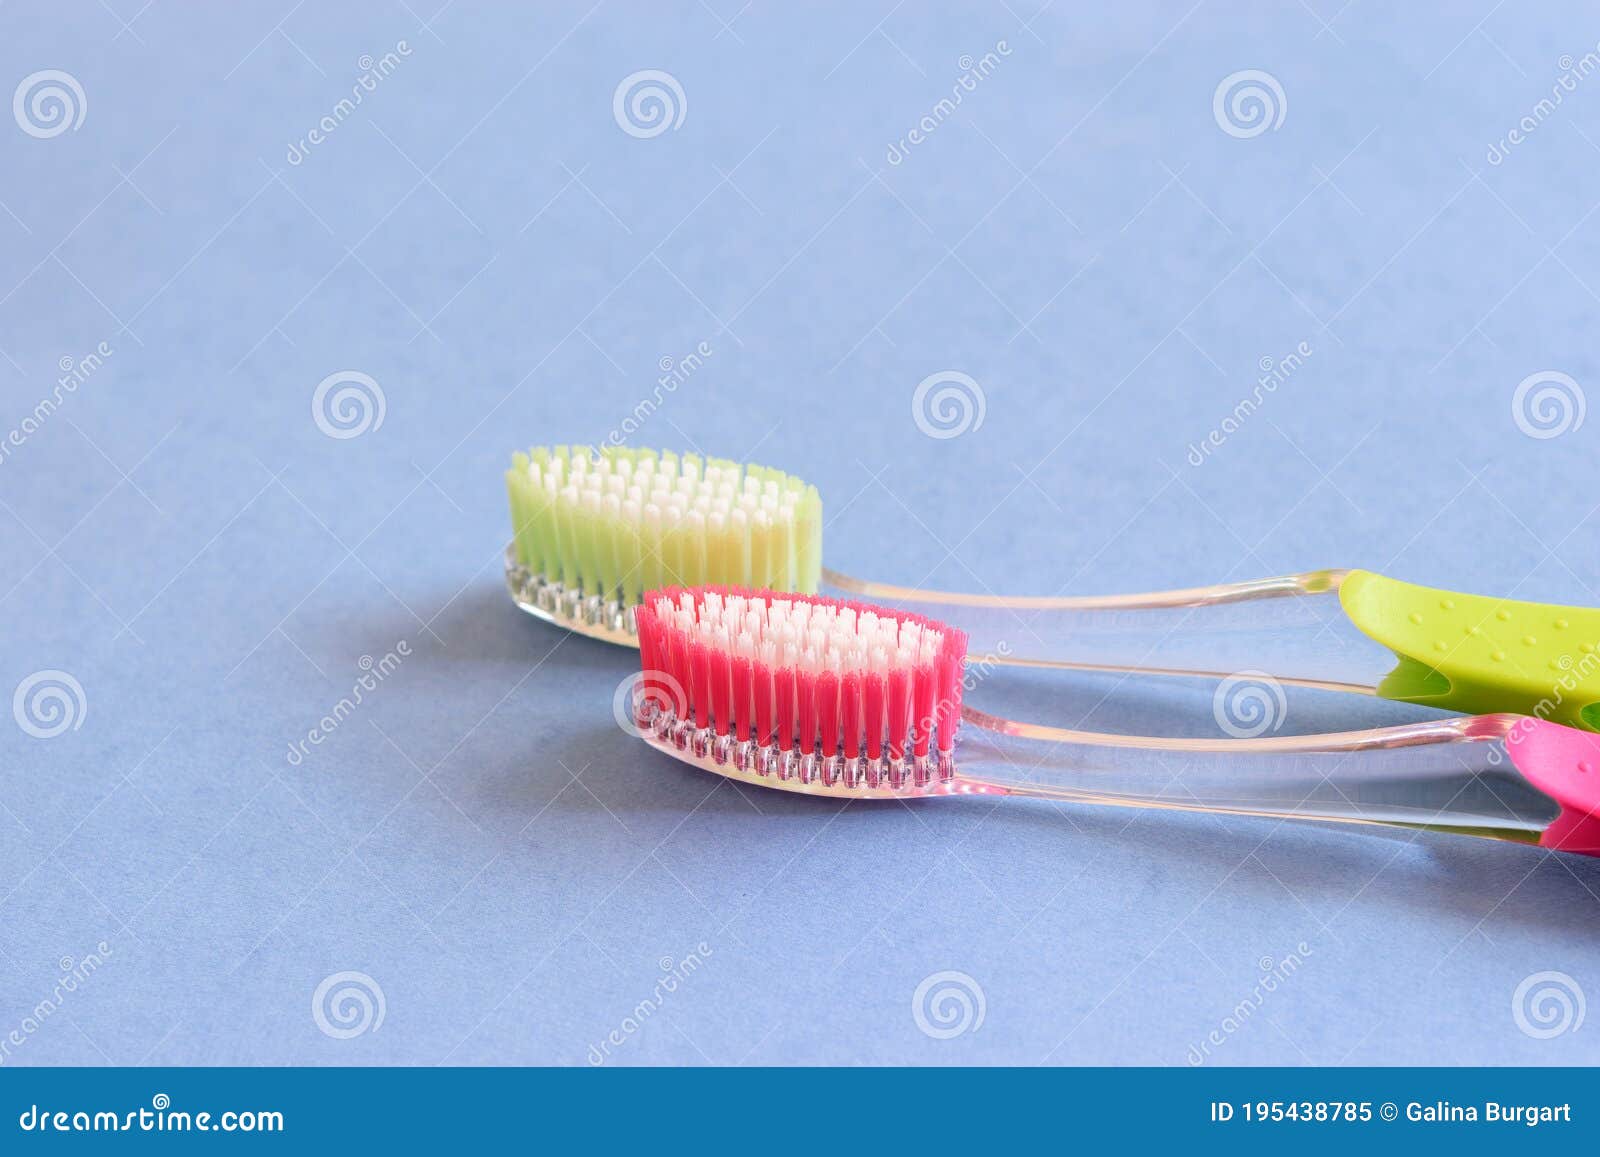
{"x": 836, "y": 698}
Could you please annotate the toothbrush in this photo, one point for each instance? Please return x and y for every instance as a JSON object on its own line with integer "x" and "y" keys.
{"x": 841, "y": 699}
{"x": 593, "y": 530}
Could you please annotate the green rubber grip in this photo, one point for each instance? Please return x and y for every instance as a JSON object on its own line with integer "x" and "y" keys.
{"x": 1481, "y": 655}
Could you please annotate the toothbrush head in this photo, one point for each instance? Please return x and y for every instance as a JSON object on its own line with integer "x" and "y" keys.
{"x": 593, "y": 529}
{"x": 815, "y": 695}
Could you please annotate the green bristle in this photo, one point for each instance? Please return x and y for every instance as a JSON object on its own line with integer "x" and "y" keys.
{"x": 593, "y": 545}
{"x": 519, "y": 518}
{"x": 718, "y": 566}
{"x": 542, "y": 545}
{"x": 808, "y": 537}
{"x": 672, "y": 564}
{"x": 652, "y": 554}
{"x": 633, "y": 560}
{"x": 589, "y": 536}
{"x": 739, "y": 555}
{"x": 566, "y": 543}
{"x": 604, "y": 580}
{"x": 762, "y": 550}
{"x": 692, "y": 553}
{"x": 784, "y": 571}
{"x": 521, "y": 510}
{"x": 620, "y": 557}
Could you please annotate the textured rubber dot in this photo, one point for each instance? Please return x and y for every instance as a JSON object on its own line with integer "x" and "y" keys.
{"x": 1481, "y": 655}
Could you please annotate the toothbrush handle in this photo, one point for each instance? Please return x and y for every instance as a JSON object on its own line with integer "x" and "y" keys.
{"x": 1292, "y": 627}
{"x": 1454, "y": 775}
{"x": 1343, "y": 630}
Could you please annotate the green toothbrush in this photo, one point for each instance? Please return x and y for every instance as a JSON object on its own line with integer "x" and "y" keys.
{"x": 593, "y": 530}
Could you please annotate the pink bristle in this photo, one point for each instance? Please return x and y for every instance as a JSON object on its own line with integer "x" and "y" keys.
{"x": 675, "y": 649}
{"x": 925, "y": 695}
{"x": 762, "y": 680}
{"x": 951, "y": 661}
{"x": 806, "y": 692}
{"x": 850, "y": 713}
{"x": 783, "y": 682}
{"x": 649, "y": 647}
{"x": 899, "y": 710}
{"x": 828, "y": 712}
{"x": 872, "y": 699}
{"x": 743, "y": 696}
{"x": 721, "y": 691}
{"x": 700, "y": 668}
{"x": 820, "y": 677}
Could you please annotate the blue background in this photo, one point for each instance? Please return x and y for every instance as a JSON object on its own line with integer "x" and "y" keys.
{"x": 480, "y": 236}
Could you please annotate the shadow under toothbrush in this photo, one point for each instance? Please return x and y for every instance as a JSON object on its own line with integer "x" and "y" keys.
{"x": 1328, "y": 869}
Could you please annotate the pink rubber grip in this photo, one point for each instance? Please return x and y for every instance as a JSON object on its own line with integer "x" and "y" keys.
{"x": 1564, "y": 763}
